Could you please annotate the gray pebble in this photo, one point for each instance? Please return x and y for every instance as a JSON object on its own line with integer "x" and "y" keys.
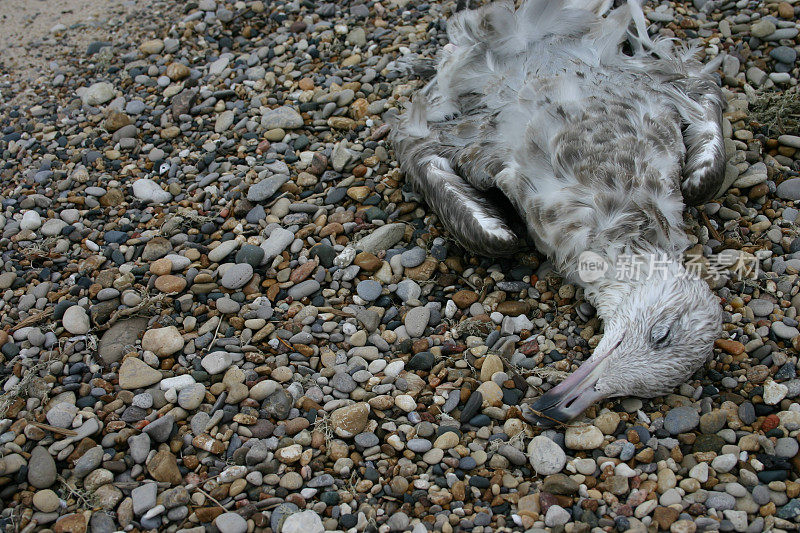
{"x": 88, "y": 462}
{"x": 42, "y": 471}
{"x": 720, "y": 501}
{"x": 228, "y": 306}
{"x": 266, "y": 188}
{"x": 237, "y": 276}
{"x": 160, "y": 429}
{"x": 784, "y": 54}
{"x": 343, "y": 382}
{"x": 786, "y": 447}
{"x": 419, "y": 445}
{"x": 281, "y": 117}
{"x": 366, "y": 440}
{"x": 139, "y": 447}
{"x": 413, "y": 257}
{"x": 369, "y": 290}
{"x": 408, "y": 289}
{"x": 783, "y": 331}
{"x": 144, "y": 498}
{"x": 416, "y": 321}
{"x": 681, "y": 420}
{"x": 303, "y": 289}
{"x": 231, "y": 523}
{"x": 761, "y": 307}
{"x": 789, "y": 189}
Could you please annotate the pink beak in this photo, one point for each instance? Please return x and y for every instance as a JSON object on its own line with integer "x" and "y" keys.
{"x": 572, "y": 396}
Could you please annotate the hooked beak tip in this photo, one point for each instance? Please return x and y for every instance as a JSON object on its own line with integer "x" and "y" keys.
{"x": 560, "y": 406}
{"x": 572, "y": 396}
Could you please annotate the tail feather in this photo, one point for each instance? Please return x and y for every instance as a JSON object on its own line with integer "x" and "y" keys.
{"x": 505, "y": 31}
{"x": 641, "y": 37}
{"x": 712, "y": 66}
{"x": 598, "y": 7}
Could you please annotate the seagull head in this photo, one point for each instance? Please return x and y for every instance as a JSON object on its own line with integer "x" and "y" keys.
{"x": 659, "y": 329}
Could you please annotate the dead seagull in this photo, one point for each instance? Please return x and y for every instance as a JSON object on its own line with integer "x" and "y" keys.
{"x": 596, "y": 134}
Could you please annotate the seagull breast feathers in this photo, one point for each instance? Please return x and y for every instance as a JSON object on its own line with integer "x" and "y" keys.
{"x": 542, "y": 103}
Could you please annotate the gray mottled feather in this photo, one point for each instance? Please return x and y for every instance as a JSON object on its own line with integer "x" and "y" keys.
{"x": 596, "y": 149}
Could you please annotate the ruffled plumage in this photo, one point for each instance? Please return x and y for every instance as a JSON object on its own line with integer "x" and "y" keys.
{"x": 595, "y": 132}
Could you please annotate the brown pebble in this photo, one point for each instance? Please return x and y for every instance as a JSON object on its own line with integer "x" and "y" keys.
{"x": 164, "y": 467}
{"x": 758, "y": 191}
{"x": 424, "y": 271}
{"x": 757, "y": 373}
{"x": 169, "y": 283}
{"x": 465, "y": 298}
{"x": 112, "y": 198}
{"x": 247, "y": 420}
{"x": 191, "y": 461}
{"x": 334, "y": 228}
{"x": 319, "y": 162}
{"x": 296, "y": 425}
{"x": 358, "y": 109}
{"x": 116, "y": 120}
{"x": 368, "y": 262}
{"x": 665, "y": 516}
{"x": 792, "y": 488}
{"x": 513, "y": 308}
{"x": 729, "y": 346}
{"x": 303, "y": 271}
{"x": 71, "y": 523}
{"x": 209, "y": 444}
{"x": 298, "y": 26}
{"x": 341, "y": 123}
{"x": 208, "y": 514}
{"x": 359, "y": 193}
{"x": 177, "y": 71}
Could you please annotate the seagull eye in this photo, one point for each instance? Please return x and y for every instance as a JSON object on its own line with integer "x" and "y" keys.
{"x": 659, "y": 335}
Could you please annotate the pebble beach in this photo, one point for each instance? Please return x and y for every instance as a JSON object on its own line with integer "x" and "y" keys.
{"x": 222, "y": 308}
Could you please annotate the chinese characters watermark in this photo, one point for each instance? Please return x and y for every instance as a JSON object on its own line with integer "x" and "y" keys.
{"x": 634, "y": 267}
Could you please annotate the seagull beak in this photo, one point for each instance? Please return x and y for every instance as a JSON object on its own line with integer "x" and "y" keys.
{"x": 572, "y": 396}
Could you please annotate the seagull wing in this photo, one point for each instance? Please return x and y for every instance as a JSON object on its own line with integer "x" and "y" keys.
{"x": 425, "y": 151}
{"x": 704, "y": 165}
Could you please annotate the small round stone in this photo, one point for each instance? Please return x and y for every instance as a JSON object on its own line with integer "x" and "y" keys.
{"x": 237, "y": 276}
{"x": 46, "y": 501}
{"x": 231, "y": 523}
{"x": 76, "y": 320}
{"x": 546, "y": 457}
{"x": 681, "y": 419}
{"x": 413, "y": 257}
{"x": 369, "y": 290}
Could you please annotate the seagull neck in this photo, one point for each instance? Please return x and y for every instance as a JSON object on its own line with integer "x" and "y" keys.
{"x": 628, "y": 270}
{"x": 607, "y": 295}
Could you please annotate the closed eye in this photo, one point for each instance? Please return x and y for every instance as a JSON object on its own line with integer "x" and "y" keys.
{"x": 659, "y": 335}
